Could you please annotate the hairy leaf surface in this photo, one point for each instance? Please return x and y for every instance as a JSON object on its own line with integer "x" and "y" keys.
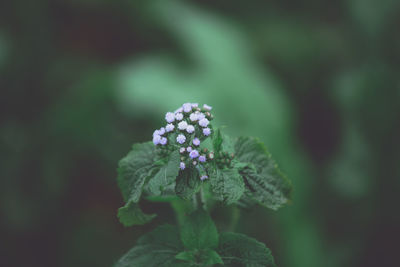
{"x": 155, "y": 249}
{"x": 166, "y": 175}
{"x": 268, "y": 186}
{"x": 199, "y": 232}
{"x": 131, "y": 214}
{"x": 134, "y": 169}
{"x": 188, "y": 183}
{"x": 241, "y": 250}
{"x": 227, "y": 184}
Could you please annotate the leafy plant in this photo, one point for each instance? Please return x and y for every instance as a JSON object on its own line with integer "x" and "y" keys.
{"x": 193, "y": 165}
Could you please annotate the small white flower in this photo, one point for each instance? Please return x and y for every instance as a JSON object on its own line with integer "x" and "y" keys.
{"x": 189, "y": 149}
{"x": 203, "y": 177}
{"x": 170, "y": 127}
{"x": 182, "y": 125}
{"x": 169, "y": 117}
{"x": 194, "y": 154}
{"x": 194, "y": 162}
{"x": 156, "y": 132}
{"x": 204, "y": 122}
{"x": 161, "y": 131}
{"x": 187, "y": 107}
{"x": 179, "y": 110}
{"x": 202, "y": 158}
{"x": 156, "y": 139}
{"x": 182, "y": 150}
{"x": 181, "y": 139}
{"x": 211, "y": 155}
{"x": 207, "y": 131}
{"x": 207, "y": 107}
{"x": 182, "y": 165}
{"x": 196, "y": 141}
{"x": 163, "y": 141}
{"x": 200, "y": 116}
{"x": 190, "y": 128}
{"x": 179, "y": 116}
{"x": 194, "y": 116}
{"x": 195, "y": 105}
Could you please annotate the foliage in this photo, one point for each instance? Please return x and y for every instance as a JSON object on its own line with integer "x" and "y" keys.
{"x": 198, "y": 244}
{"x": 230, "y": 170}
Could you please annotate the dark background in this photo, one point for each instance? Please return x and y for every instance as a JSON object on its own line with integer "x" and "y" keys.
{"x": 317, "y": 81}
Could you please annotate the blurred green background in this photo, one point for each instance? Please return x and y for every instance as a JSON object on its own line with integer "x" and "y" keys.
{"x": 317, "y": 81}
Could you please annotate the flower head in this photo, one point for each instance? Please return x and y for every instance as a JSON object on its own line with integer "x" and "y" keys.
{"x": 179, "y": 116}
{"x": 203, "y": 177}
{"x": 182, "y": 165}
{"x": 169, "y": 117}
{"x": 156, "y": 139}
{"x": 181, "y": 139}
{"x": 194, "y": 117}
{"x": 200, "y": 116}
{"x": 190, "y": 129}
{"x": 189, "y": 149}
{"x": 207, "y": 131}
{"x": 163, "y": 141}
{"x": 204, "y": 122}
{"x": 202, "y": 158}
{"x": 187, "y": 107}
{"x": 182, "y": 150}
{"x": 161, "y": 131}
{"x": 182, "y": 125}
{"x": 170, "y": 127}
{"x": 211, "y": 155}
{"x": 207, "y": 107}
{"x": 194, "y": 154}
{"x": 195, "y": 105}
{"x": 196, "y": 141}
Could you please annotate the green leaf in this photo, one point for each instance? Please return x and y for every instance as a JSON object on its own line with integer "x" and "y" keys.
{"x": 199, "y": 232}
{"x": 166, "y": 175}
{"x": 188, "y": 183}
{"x": 210, "y": 257}
{"x": 155, "y": 249}
{"x": 227, "y": 184}
{"x": 268, "y": 186}
{"x": 241, "y": 250}
{"x": 186, "y": 256}
{"x": 131, "y": 214}
{"x": 217, "y": 141}
{"x": 134, "y": 169}
{"x": 206, "y": 257}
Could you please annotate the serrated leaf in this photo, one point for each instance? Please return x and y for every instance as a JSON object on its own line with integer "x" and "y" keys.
{"x": 227, "y": 184}
{"x": 166, "y": 175}
{"x": 155, "y": 249}
{"x": 188, "y": 183}
{"x": 241, "y": 250}
{"x": 199, "y": 232}
{"x": 268, "y": 186}
{"x": 134, "y": 169}
{"x": 131, "y": 214}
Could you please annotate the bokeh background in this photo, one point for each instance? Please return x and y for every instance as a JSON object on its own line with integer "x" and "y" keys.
{"x": 317, "y": 81}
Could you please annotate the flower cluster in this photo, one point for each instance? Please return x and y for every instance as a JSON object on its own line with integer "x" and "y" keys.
{"x": 186, "y": 128}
